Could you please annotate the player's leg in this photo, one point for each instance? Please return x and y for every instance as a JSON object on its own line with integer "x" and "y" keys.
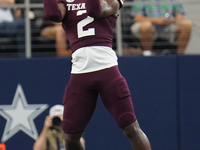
{"x": 75, "y": 141}
{"x": 136, "y": 136}
{"x": 146, "y": 35}
{"x": 144, "y": 30}
{"x": 61, "y": 42}
{"x": 49, "y": 32}
{"x": 118, "y": 102}
{"x": 79, "y": 104}
{"x": 184, "y": 28}
{"x": 57, "y": 33}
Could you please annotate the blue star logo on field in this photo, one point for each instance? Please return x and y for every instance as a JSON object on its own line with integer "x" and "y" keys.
{"x": 20, "y": 116}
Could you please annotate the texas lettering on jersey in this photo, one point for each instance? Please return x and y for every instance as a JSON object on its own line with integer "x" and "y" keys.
{"x": 75, "y": 6}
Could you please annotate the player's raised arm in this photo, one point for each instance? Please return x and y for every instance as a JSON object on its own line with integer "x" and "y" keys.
{"x": 53, "y": 11}
{"x": 103, "y": 8}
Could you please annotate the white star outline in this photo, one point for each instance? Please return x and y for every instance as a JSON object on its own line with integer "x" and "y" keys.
{"x": 20, "y": 116}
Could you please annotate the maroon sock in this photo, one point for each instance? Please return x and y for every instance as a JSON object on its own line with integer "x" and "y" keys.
{"x": 51, "y": 10}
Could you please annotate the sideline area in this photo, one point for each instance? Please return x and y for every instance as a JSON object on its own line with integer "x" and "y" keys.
{"x": 165, "y": 90}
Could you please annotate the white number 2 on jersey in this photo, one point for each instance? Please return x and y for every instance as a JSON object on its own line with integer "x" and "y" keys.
{"x": 82, "y": 23}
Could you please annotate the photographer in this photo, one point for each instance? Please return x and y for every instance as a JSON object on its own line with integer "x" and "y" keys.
{"x": 52, "y": 135}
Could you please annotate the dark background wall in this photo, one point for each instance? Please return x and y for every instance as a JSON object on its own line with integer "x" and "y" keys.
{"x": 165, "y": 92}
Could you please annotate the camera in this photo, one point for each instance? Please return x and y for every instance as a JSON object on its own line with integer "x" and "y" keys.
{"x": 56, "y": 121}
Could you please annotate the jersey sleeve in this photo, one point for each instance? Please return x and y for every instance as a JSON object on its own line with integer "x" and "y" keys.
{"x": 61, "y": 1}
{"x": 51, "y": 10}
{"x": 93, "y": 8}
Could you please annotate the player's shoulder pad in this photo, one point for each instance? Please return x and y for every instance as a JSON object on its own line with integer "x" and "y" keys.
{"x": 121, "y": 3}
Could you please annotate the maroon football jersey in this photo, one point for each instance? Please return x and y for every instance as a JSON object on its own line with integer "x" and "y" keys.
{"x": 83, "y": 30}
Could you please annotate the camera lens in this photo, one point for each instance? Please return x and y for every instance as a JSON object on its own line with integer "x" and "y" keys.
{"x": 56, "y": 121}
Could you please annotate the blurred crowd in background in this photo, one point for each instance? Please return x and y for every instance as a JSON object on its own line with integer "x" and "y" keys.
{"x": 148, "y": 27}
